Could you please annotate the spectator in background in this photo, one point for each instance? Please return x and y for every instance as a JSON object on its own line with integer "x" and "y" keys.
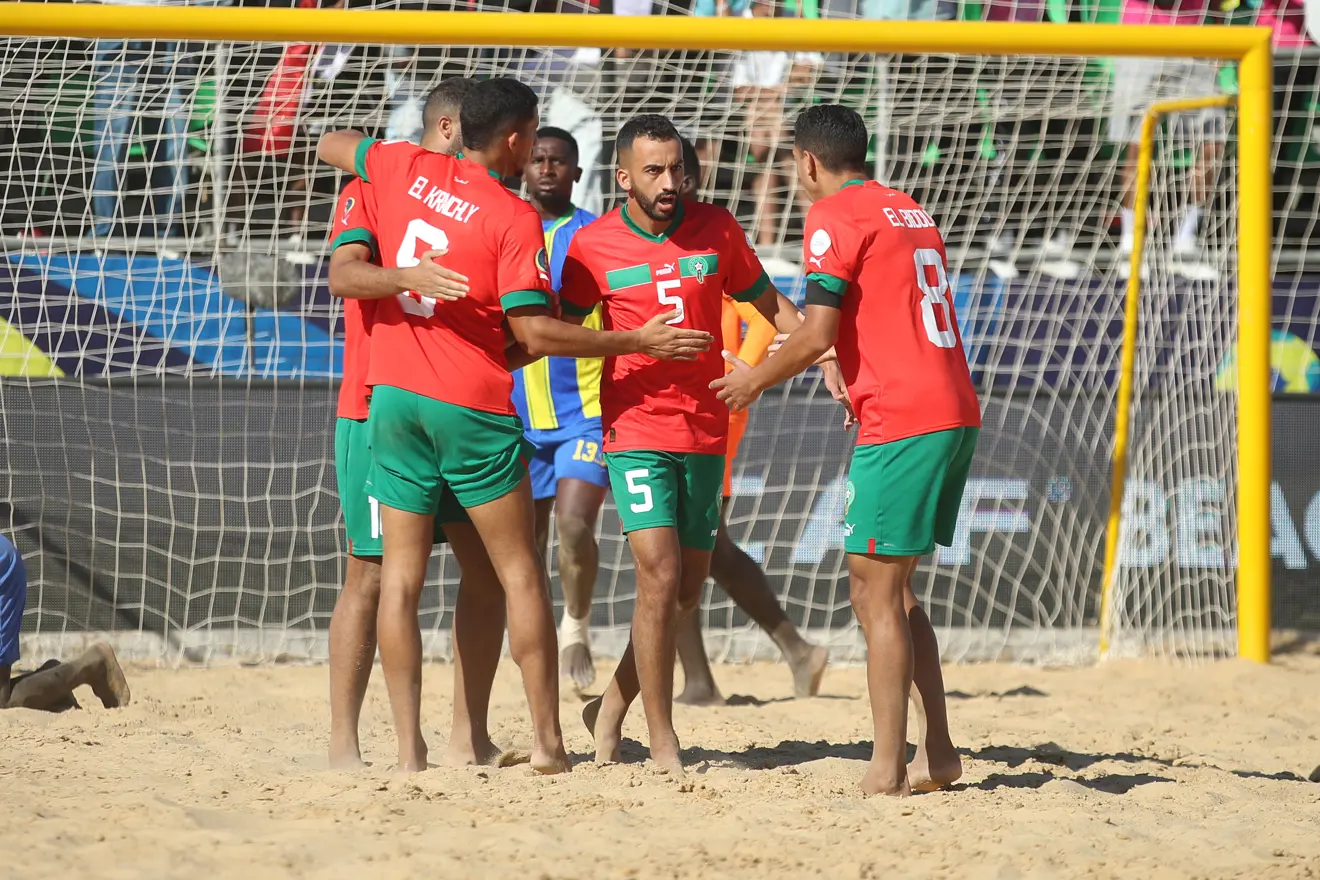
{"x": 1140, "y": 82}
{"x": 760, "y": 83}
{"x": 129, "y": 76}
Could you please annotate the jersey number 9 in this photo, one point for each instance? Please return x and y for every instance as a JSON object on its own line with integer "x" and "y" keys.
{"x": 435, "y": 239}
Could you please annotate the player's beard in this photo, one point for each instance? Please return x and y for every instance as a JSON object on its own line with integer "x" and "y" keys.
{"x": 652, "y": 208}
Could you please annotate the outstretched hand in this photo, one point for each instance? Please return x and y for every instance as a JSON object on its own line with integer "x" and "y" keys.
{"x": 738, "y": 388}
{"x": 429, "y": 278}
{"x": 839, "y": 391}
{"x": 664, "y": 342}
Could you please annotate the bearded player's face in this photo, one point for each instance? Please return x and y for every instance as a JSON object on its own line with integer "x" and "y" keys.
{"x": 652, "y": 174}
{"x": 521, "y": 143}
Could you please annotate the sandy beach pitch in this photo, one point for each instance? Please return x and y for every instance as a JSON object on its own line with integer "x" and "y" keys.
{"x": 1128, "y": 769}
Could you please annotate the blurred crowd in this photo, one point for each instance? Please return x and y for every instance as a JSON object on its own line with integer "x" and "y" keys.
{"x": 187, "y": 145}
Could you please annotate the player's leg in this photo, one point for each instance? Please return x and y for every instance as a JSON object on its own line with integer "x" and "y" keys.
{"x": 52, "y": 686}
{"x": 876, "y": 586}
{"x": 353, "y": 624}
{"x": 478, "y": 631}
{"x": 484, "y": 463}
{"x": 405, "y": 481}
{"x": 745, "y": 582}
{"x": 352, "y": 653}
{"x": 936, "y": 763}
{"x": 580, "y": 492}
{"x": 892, "y": 514}
{"x": 699, "y": 687}
{"x": 647, "y": 486}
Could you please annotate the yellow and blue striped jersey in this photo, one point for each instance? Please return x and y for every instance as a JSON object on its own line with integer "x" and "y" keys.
{"x": 558, "y": 393}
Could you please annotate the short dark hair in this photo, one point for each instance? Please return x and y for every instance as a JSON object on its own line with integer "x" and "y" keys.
{"x": 559, "y": 134}
{"x": 691, "y": 161}
{"x": 494, "y": 107}
{"x": 651, "y": 126}
{"x": 835, "y": 135}
{"x": 445, "y": 99}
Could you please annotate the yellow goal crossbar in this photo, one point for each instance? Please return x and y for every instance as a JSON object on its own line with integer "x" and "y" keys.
{"x": 1249, "y": 46}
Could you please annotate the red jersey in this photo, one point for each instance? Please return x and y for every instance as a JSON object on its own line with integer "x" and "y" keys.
{"x": 666, "y": 406}
{"x": 451, "y": 351}
{"x": 353, "y": 223}
{"x": 898, "y": 346}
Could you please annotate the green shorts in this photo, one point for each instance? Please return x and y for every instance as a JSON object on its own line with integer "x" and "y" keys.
{"x": 421, "y": 445}
{"x": 903, "y": 497}
{"x": 679, "y": 490}
{"x": 361, "y": 511}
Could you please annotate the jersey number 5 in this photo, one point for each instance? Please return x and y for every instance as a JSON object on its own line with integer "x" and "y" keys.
{"x": 435, "y": 239}
{"x": 935, "y": 296}
{"x": 673, "y": 302}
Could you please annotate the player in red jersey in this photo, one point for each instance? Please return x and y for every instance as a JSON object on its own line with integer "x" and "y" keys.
{"x": 665, "y": 433}
{"x": 732, "y": 569}
{"x": 356, "y": 277}
{"x": 441, "y": 413}
{"x": 878, "y": 291}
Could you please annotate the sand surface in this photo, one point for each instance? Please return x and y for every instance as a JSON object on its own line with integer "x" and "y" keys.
{"x": 1125, "y": 770}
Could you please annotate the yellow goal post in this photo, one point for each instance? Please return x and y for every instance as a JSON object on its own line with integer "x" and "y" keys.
{"x": 1250, "y": 47}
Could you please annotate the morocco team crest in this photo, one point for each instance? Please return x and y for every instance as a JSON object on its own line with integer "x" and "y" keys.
{"x": 849, "y": 494}
{"x": 699, "y": 270}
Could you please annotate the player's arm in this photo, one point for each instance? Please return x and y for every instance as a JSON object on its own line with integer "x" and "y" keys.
{"x": 804, "y": 346}
{"x": 339, "y": 149}
{"x": 354, "y": 275}
{"x": 541, "y": 334}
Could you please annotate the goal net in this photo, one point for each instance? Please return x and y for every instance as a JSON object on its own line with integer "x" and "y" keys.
{"x": 170, "y": 352}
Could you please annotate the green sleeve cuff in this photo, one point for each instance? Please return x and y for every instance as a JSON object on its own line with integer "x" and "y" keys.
{"x": 754, "y": 292}
{"x": 575, "y": 310}
{"x": 356, "y": 236}
{"x": 517, "y": 298}
{"x": 360, "y": 158}
{"x": 832, "y": 283}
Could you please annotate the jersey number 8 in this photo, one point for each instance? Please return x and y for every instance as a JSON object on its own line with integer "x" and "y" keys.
{"x": 935, "y": 296}
{"x": 435, "y": 239}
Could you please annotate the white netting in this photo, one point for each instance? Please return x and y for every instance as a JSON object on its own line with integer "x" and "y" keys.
{"x": 169, "y": 351}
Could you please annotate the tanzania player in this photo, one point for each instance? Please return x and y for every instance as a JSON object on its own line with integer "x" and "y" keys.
{"x": 441, "y": 412}
{"x": 736, "y": 572}
{"x": 355, "y": 276}
{"x": 558, "y": 400}
{"x": 878, "y": 291}
{"x": 665, "y": 431}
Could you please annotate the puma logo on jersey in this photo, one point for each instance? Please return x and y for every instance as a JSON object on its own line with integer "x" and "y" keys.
{"x": 460, "y": 180}
{"x": 818, "y": 262}
{"x": 666, "y": 269}
{"x": 443, "y": 203}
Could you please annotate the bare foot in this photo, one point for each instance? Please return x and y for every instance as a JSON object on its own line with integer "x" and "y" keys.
{"x": 808, "y": 670}
{"x": 345, "y": 755}
{"x": 607, "y": 742}
{"x": 466, "y": 753}
{"x": 878, "y": 780}
{"x": 700, "y": 695}
{"x": 575, "y": 662}
{"x": 549, "y": 761}
{"x": 415, "y": 762}
{"x": 927, "y": 774}
{"x": 665, "y": 756}
{"x": 109, "y": 685}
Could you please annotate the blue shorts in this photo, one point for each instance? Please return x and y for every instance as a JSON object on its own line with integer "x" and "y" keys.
{"x": 571, "y": 453}
{"x": 13, "y": 597}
